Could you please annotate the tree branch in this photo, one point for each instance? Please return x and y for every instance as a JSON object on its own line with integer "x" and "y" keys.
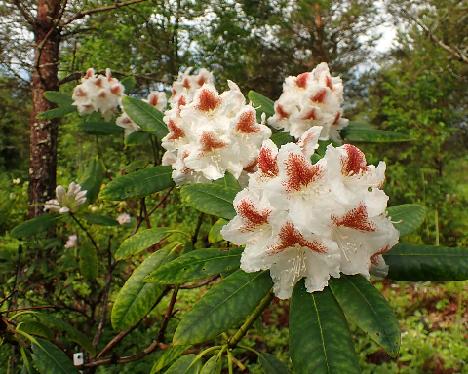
{"x": 24, "y": 13}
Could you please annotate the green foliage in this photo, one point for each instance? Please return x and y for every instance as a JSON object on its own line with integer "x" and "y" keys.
{"x": 271, "y": 365}
{"x": 35, "y": 226}
{"x": 320, "y": 340}
{"x": 188, "y": 364}
{"x": 92, "y": 179}
{"x": 144, "y": 115}
{"x": 407, "y": 218}
{"x": 359, "y": 134}
{"x": 142, "y": 240}
{"x": 262, "y": 104}
{"x": 49, "y": 359}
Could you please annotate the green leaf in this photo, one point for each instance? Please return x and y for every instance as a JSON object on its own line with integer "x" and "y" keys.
{"x": 210, "y": 198}
{"x": 367, "y": 308}
{"x": 58, "y": 98}
{"x": 139, "y": 183}
{"x": 407, "y": 218}
{"x": 228, "y": 181}
{"x": 48, "y": 359}
{"x": 92, "y": 179}
{"x": 214, "y": 235}
{"x": 99, "y": 127}
{"x": 33, "y": 327}
{"x": 422, "y": 262}
{"x": 98, "y": 219}
{"x": 140, "y": 241}
{"x": 168, "y": 357}
{"x": 262, "y": 104}
{"x": 212, "y": 366}
{"x": 196, "y": 265}
{"x": 271, "y": 365}
{"x": 188, "y": 364}
{"x": 59, "y": 112}
{"x": 364, "y": 134}
{"x": 129, "y": 83}
{"x": 136, "y": 298}
{"x": 280, "y": 138}
{"x": 35, "y": 226}
{"x": 137, "y": 138}
{"x": 144, "y": 115}
{"x": 88, "y": 262}
{"x": 320, "y": 341}
{"x": 224, "y": 306}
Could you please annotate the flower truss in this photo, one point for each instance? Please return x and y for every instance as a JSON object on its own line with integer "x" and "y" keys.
{"x": 155, "y": 99}
{"x": 311, "y": 99}
{"x": 212, "y": 134}
{"x": 98, "y": 93}
{"x": 184, "y": 88}
{"x": 312, "y": 221}
{"x": 67, "y": 201}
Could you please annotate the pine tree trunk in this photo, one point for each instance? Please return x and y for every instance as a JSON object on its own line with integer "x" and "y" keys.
{"x": 43, "y": 133}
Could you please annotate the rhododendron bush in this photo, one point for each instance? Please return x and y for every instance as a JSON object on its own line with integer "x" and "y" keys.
{"x": 294, "y": 210}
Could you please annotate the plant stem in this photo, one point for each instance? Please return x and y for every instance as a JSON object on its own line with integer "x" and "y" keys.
{"x": 236, "y": 338}
{"x": 85, "y": 230}
{"x": 197, "y": 228}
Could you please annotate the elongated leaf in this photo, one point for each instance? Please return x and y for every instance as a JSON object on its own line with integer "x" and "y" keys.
{"x": 361, "y": 134}
{"x": 88, "y": 262}
{"x": 144, "y": 115}
{"x": 424, "y": 262}
{"x": 129, "y": 83}
{"x": 367, "y": 308}
{"x": 280, "y": 138}
{"x": 48, "y": 359}
{"x": 137, "y": 138}
{"x": 59, "y": 98}
{"x": 36, "y": 328}
{"x": 262, "y": 104}
{"x": 99, "y": 127}
{"x": 35, "y": 226}
{"x": 136, "y": 298}
{"x": 140, "y": 241}
{"x": 271, "y": 365}
{"x": 210, "y": 198}
{"x": 224, "y": 306}
{"x": 188, "y": 364}
{"x": 212, "y": 366}
{"x": 92, "y": 179}
{"x": 407, "y": 218}
{"x": 195, "y": 265}
{"x": 59, "y": 112}
{"x": 319, "y": 341}
{"x": 214, "y": 235}
{"x": 168, "y": 357}
{"x": 228, "y": 181}
{"x": 98, "y": 219}
{"x": 139, "y": 183}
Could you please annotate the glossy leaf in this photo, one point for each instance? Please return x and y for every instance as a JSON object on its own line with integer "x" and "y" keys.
{"x": 139, "y": 183}
{"x": 48, "y": 359}
{"x": 210, "y": 198}
{"x": 212, "y": 366}
{"x": 140, "y": 241}
{"x": 367, "y": 308}
{"x": 59, "y": 112}
{"x": 262, "y": 104}
{"x": 59, "y": 98}
{"x": 364, "y": 134}
{"x": 224, "y": 306}
{"x": 319, "y": 341}
{"x": 228, "y": 181}
{"x": 196, "y": 265}
{"x": 35, "y": 226}
{"x": 136, "y": 298}
{"x": 144, "y": 115}
{"x": 188, "y": 364}
{"x": 271, "y": 365}
{"x": 168, "y": 357}
{"x": 280, "y": 138}
{"x": 137, "y": 138}
{"x": 99, "y": 127}
{"x": 129, "y": 83}
{"x": 88, "y": 262}
{"x": 92, "y": 179}
{"x": 422, "y": 262}
{"x": 214, "y": 235}
{"x": 407, "y": 218}
{"x": 99, "y": 219}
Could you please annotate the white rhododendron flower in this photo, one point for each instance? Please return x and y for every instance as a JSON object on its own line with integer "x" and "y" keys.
{"x": 212, "y": 134}
{"x": 155, "y": 99}
{"x": 67, "y": 200}
{"x": 98, "y": 93}
{"x": 184, "y": 88}
{"x": 312, "y": 221}
{"x": 124, "y": 218}
{"x": 311, "y": 99}
{"x": 72, "y": 241}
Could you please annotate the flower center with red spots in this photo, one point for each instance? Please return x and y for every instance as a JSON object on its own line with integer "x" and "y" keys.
{"x": 186, "y": 83}
{"x": 300, "y": 172}
{"x": 357, "y": 218}
{"x": 267, "y": 162}
{"x": 176, "y": 131}
{"x": 320, "y": 96}
{"x": 201, "y": 81}
{"x": 153, "y": 100}
{"x": 208, "y": 101}
{"x": 311, "y": 115}
{"x": 210, "y": 142}
{"x": 354, "y": 162}
{"x": 281, "y": 113}
{"x": 301, "y": 80}
{"x": 247, "y": 123}
{"x": 254, "y": 217}
{"x": 290, "y": 237}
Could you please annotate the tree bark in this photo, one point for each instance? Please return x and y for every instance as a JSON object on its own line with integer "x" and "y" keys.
{"x": 43, "y": 133}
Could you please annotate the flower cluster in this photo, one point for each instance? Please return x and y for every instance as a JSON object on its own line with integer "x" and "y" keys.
{"x": 67, "y": 201}
{"x": 98, "y": 93}
{"x": 155, "y": 99}
{"x": 312, "y": 221}
{"x": 311, "y": 99}
{"x": 184, "y": 88}
{"x": 212, "y": 134}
